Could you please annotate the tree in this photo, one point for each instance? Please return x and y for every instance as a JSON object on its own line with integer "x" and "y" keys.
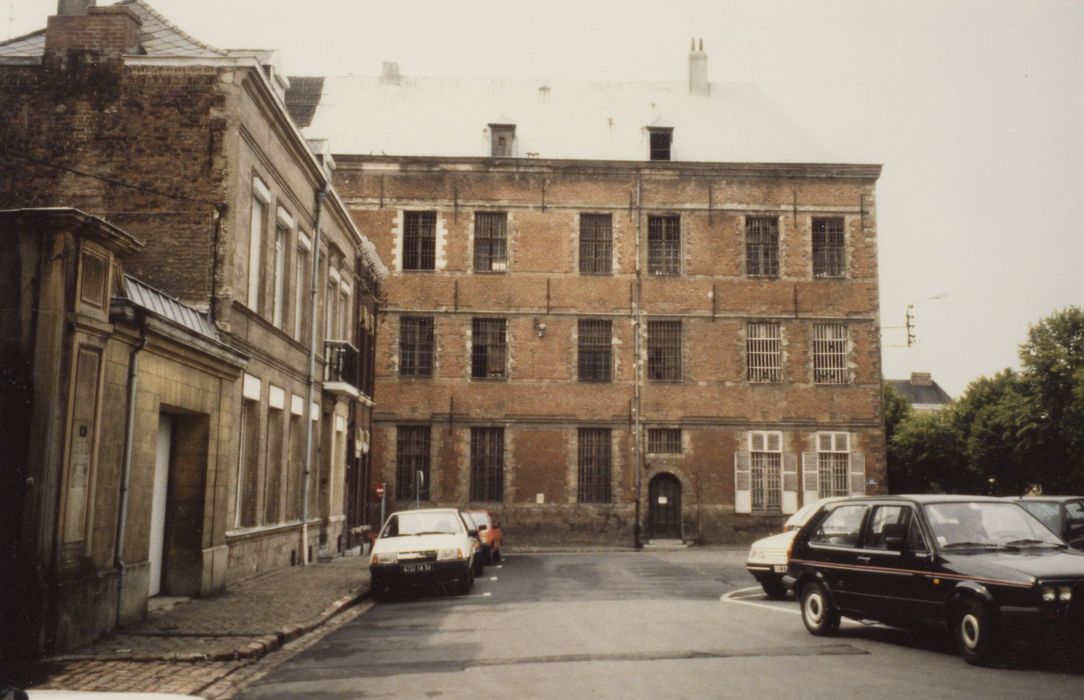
{"x": 995, "y": 419}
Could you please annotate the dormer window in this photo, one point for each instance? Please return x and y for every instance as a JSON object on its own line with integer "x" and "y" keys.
{"x": 502, "y": 139}
{"x": 660, "y": 142}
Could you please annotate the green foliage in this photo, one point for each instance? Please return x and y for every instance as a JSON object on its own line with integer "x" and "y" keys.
{"x": 1008, "y": 433}
{"x": 896, "y": 408}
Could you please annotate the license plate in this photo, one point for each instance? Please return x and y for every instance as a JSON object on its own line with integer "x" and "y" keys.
{"x": 779, "y": 568}
{"x": 420, "y": 566}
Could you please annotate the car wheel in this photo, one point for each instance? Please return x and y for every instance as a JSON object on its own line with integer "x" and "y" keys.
{"x": 975, "y": 631}
{"x": 466, "y": 583}
{"x": 774, "y": 588}
{"x": 818, "y": 612}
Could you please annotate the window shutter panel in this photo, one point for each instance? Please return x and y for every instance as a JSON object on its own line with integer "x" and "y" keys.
{"x": 743, "y": 496}
{"x": 858, "y": 474}
{"x": 790, "y": 483}
{"x": 810, "y": 489}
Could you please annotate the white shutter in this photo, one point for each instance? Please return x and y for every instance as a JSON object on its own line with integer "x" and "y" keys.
{"x": 743, "y": 477}
{"x": 790, "y": 483}
{"x": 858, "y": 474}
{"x": 810, "y": 467}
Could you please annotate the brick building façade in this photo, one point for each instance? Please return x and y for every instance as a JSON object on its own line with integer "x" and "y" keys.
{"x": 611, "y": 305}
{"x": 177, "y": 164}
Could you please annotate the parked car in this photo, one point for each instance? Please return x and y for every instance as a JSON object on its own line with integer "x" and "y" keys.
{"x": 476, "y": 540}
{"x": 490, "y": 530}
{"x": 767, "y": 560}
{"x": 427, "y": 547}
{"x": 982, "y": 568}
{"x": 1064, "y": 515}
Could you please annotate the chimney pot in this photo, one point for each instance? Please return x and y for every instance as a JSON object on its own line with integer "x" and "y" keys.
{"x": 698, "y": 70}
{"x": 921, "y": 379}
{"x": 70, "y": 8}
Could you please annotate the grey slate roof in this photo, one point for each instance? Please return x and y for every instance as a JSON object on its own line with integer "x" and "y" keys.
{"x": 165, "y": 306}
{"x": 920, "y": 394}
{"x": 158, "y": 37}
{"x": 302, "y": 98}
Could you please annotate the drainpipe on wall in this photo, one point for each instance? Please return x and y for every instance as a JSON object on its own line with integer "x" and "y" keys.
{"x": 126, "y": 467}
{"x": 637, "y": 331}
{"x": 306, "y": 477}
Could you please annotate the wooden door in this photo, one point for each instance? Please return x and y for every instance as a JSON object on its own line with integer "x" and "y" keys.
{"x": 664, "y": 507}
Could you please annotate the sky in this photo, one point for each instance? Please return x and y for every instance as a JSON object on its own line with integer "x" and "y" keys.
{"x": 975, "y": 108}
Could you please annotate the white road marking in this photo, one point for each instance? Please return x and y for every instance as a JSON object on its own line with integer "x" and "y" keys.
{"x": 732, "y": 597}
{"x": 492, "y": 578}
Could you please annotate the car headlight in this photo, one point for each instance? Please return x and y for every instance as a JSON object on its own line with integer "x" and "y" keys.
{"x": 384, "y": 558}
{"x": 1050, "y": 594}
{"x": 1065, "y": 593}
{"x": 755, "y": 554}
{"x": 446, "y": 554}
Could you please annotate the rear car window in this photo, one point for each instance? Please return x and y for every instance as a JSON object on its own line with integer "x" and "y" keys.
{"x": 840, "y": 528}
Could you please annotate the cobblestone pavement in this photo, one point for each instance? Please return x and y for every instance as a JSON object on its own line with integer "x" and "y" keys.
{"x": 191, "y": 645}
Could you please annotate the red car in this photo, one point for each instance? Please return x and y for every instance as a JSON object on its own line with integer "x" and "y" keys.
{"x": 489, "y": 529}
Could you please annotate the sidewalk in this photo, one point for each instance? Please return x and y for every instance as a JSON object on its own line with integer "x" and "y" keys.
{"x": 188, "y": 643}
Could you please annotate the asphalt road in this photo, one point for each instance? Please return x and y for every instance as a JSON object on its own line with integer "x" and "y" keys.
{"x": 675, "y": 624}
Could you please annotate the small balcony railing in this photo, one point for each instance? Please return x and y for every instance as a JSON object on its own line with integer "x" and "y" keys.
{"x": 341, "y": 368}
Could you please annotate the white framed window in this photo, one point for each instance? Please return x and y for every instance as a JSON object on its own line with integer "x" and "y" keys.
{"x": 345, "y": 309}
{"x": 765, "y": 477}
{"x": 834, "y": 469}
{"x": 301, "y": 282}
{"x": 261, "y": 200}
{"x": 830, "y": 353}
{"x": 764, "y": 352}
{"x": 284, "y": 224}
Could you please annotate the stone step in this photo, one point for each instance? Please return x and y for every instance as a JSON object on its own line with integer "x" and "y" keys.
{"x": 665, "y": 544}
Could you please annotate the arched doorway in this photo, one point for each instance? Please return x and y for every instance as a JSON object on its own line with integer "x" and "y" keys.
{"x": 664, "y": 507}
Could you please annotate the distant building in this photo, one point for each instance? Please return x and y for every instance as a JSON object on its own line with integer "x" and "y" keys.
{"x": 921, "y": 391}
{"x": 247, "y": 294}
{"x": 612, "y": 306}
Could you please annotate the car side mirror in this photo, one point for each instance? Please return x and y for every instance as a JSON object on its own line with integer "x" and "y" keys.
{"x": 482, "y": 527}
{"x": 472, "y": 533}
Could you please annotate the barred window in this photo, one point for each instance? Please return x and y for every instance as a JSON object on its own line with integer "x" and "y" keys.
{"x": 830, "y": 353}
{"x": 488, "y": 349}
{"x": 664, "y": 245}
{"x": 593, "y": 449}
{"x": 487, "y": 464}
{"x": 416, "y": 346}
{"x": 490, "y": 241}
{"x": 829, "y": 256}
{"x": 596, "y": 244}
{"x": 595, "y": 341}
{"x": 412, "y": 462}
{"x": 419, "y": 240}
{"x": 664, "y": 441}
{"x": 762, "y": 246}
{"x": 765, "y": 460}
{"x": 664, "y": 351}
{"x": 764, "y": 352}
{"x": 833, "y": 464}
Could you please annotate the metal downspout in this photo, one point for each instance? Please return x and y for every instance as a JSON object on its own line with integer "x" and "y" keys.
{"x": 310, "y": 391}
{"x": 126, "y": 469}
{"x": 638, "y": 368}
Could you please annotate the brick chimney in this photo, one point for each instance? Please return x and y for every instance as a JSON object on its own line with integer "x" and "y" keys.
{"x": 921, "y": 379}
{"x": 698, "y": 70}
{"x": 80, "y": 25}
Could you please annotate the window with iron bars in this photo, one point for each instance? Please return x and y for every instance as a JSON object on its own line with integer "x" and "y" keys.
{"x": 664, "y": 245}
{"x": 595, "y": 340}
{"x": 490, "y": 241}
{"x": 593, "y": 449}
{"x": 664, "y": 351}
{"x": 419, "y": 240}
{"x": 830, "y": 353}
{"x": 596, "y": 244}
{"x": 764, "y": 352}
{"x": 833, "y": 464}
{"x": 762, "y": 246}
{"x": 765, "y": 462}
{"x": 488, "y": 348}
{"x": 416, "y": 346}
{"x": 486, "y": 464}
{"x": 664, "y": 441}
{"x": 412, "y": 458}
{"x": 829, "y": 252}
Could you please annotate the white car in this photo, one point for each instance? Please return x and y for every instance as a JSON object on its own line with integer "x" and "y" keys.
{"x": 428, "y": 547}
{"x": 767, "y": 560}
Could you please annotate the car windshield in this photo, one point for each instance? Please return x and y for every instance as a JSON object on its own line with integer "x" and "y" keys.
{"x": 1045, "y": 511}
{"x": 423, "y": 523}
{"x": 983, "y": 524}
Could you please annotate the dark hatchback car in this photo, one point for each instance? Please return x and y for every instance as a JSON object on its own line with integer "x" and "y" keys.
{"x": 1064, "y": 515}
{"x": 982, "y": 568}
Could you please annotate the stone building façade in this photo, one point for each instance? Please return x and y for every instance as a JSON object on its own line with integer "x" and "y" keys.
{"x": 611, "y": 305}
{"x": 188, "y": 150}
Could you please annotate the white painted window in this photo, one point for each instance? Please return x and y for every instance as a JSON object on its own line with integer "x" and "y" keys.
{"x": 301, "y": 282}
{"x": 284, "y": 224}
{"x": 835, "y": 469}
{"x": 261, "y": 199}
{"x": 765, "y": 478}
